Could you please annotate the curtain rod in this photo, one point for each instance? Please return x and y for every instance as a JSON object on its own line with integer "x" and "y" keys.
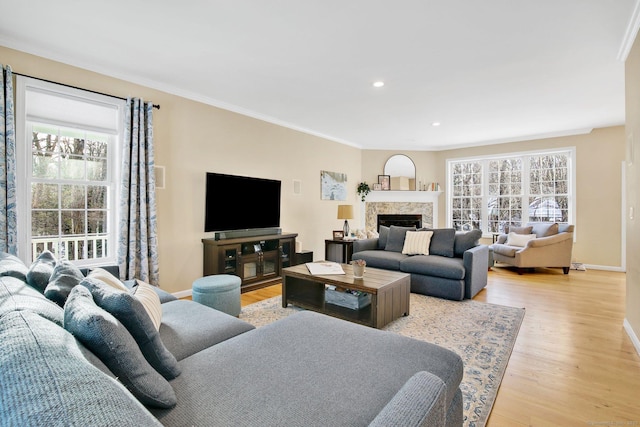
{"x": 76, "y": 87}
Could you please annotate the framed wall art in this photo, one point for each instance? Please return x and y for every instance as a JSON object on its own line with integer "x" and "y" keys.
{"x": 333, "y": 185}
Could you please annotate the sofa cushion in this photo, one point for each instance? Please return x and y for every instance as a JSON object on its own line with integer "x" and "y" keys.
{"x": 188, "y": 327}
{"x": 433, "y": 265}
{"x": 520, "y": 240}
{"x": 11, "y": 265}
{"x": 303, "y": 346}
{"x": 442, "y": 241}
{"x": 65, "y": 277}
{"x": 41, "y": 270}
{"x": 381, "y": 259}
{"x": 417, "y": 242}
{"x": 383, "y": 236}
{"x": 46, "y": 381}
{"x": 16, "y": 295}
{"x": 395, "y": 242}
{"x": 131, "y": 313}
{"x": 105, "y": 336}
{"x": 465, "y": 240}
{"x": 544, "y": 229}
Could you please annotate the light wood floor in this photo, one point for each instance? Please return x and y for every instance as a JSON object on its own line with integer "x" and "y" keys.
{"x": 573, "y": 364}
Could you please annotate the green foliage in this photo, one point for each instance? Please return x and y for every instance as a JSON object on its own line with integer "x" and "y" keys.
{"x": 363, "y": 190}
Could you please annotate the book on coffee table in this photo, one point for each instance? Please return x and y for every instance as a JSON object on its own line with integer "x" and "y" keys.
{"x": 324, "y": 267}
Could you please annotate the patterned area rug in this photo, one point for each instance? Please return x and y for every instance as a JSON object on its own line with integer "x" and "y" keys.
{"x": 482, "y": 334}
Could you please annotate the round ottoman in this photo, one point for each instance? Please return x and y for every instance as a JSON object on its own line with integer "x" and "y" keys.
{"x": 221, "y": 291}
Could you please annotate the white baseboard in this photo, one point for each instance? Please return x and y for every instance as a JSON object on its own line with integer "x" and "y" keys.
{"x": 182, "y": 294}
{"x": 632, "y": 335}
{"x": 605, "y": 268}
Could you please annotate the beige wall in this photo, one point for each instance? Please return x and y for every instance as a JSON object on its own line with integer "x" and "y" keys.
{"x": 192, "y": 138}
{"x": 632, "y": 96}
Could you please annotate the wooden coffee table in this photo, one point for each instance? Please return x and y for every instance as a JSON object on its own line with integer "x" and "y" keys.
{"x": 389, "y": 292}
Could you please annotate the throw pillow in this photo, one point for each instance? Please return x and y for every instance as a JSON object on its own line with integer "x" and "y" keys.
{"x": 544, "y": 229}
{"x": 383, "y": 236}
{"x": 41, "y": 270}
{"x": 11, "y": 265}
{"x": 108, "y": 278}
{"x": 519, "y": 230}
{"x": 442, "y": 241}
{"x": 132, "y": 314}
{"x": 417, "y": 242}
{"x": 515, "y": 239}
{"x": 395, "y": 241}
{"x": 65, "y": 277}
{"x": 150, "y": 300}
{"x": 108, "y": 339}
{"x": 465, "y": 240}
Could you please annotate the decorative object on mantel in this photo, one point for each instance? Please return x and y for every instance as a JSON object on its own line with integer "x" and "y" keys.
{"x": 385, "y": 182}
{"x": 377, "y": 187}
{"x": 363, "y": 190}
{"x": 345, "y": 212}
{"x": 402, "y": 173}
{"x": 333, "y": 185}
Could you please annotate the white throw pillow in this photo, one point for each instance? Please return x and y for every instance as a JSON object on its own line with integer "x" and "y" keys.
{"x": 108, "y": 278}
{"x": 515, "y": 239}
{"x": 145, "y": 293}
{"x": 417, "y": 242}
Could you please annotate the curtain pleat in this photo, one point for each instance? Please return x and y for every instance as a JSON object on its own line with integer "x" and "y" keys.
{"x": 8, "y": 218}
{"x": 137, "y": 243}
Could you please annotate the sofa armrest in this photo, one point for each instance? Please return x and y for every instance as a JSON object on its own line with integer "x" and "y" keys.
{"x": 549, "y": 240}
{"x": 365, "y": 245}
{"x": 475, "y": 262}
{"x": 420, "y": 402}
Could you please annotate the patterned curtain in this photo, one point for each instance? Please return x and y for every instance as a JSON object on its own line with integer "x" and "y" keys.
{"x": 8, "y": 235}
{"x": 137, "y": 245}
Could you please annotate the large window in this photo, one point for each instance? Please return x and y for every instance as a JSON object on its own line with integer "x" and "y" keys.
{"x": 67, "y": 152}
{"x": 490, "y": 193}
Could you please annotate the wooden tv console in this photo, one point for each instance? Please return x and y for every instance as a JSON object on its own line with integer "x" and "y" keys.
{"x": 257, "y": 260}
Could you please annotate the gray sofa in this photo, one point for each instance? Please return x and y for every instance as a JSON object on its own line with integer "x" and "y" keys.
{"x": 305, "y": 370}
{"x": 455, "y": 267}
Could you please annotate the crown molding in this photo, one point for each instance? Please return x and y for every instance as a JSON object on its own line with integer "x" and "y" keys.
{"x": 630, "y": 34}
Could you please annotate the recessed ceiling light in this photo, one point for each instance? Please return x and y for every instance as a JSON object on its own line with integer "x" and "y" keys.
{"x": 434, "y": 124}
{"x": 378, "y": 84}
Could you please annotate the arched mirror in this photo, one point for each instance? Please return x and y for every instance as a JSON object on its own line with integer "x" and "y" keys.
{"x": 402, "y": 171}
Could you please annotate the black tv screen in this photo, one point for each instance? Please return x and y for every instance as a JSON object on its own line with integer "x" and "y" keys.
{"x": 240, "y": 203}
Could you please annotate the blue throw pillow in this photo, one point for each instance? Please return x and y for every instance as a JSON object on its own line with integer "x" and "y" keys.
{"x": 132, "y": 314}
{"x": 383, "y": 235}
{"x": 108, "y": 339}
{"x": 65, "y": 277}
{"x": 395, "y": 242}
{"x": 442, "y": 241}
{"x": 466, "y": 240}
{"x": 41, "y": 270}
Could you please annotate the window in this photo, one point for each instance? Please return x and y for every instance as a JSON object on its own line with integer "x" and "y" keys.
{"x": 67, "y": 151}
{"x": 490, "y": 193}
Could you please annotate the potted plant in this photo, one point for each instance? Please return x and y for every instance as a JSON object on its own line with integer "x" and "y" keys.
{"x": 363, "y": 190}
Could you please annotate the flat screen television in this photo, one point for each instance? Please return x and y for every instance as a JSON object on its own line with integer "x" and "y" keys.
{"x": 241, "y": 203}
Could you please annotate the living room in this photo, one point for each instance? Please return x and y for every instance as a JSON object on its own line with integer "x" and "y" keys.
{"x": 193, "y": 138}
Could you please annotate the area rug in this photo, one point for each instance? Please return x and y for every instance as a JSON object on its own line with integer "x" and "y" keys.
{"x": 482, "y": 334}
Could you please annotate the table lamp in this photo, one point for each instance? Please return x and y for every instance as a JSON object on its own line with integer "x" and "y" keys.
{"x": 345, "y": 212}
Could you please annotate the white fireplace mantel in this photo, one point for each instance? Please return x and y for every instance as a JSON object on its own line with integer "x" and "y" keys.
{"x": 402, "y": 197}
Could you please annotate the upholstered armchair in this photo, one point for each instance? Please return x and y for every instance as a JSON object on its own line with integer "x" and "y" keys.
{"x": 535, "y": 245}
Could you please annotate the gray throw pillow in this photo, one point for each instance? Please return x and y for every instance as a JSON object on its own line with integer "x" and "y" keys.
{"x": 442, "y": 241}
{"x": 41, "y": 270}
{"x": 131, "y": 313}
{"x": 518, "y": 230}
{"x": 108, "y": 339}
{"x": 395, "y": 241}
{"x": 544, "y": 229}
{"x": 383, "y": 235}
{"x": 466, "y": 240}
{"x": 15, "y": 295}
{"x": 11, "y": 265}
{"x": 65, "y": 277}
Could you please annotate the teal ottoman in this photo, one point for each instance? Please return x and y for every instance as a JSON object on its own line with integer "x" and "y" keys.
{"x": 220, "y": 291}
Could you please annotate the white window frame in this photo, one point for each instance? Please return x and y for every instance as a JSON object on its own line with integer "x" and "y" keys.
{"x": 24, "y": 161}
{"x": 524, "y": 155}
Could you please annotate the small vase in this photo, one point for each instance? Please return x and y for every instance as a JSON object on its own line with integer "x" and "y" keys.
{"x": 358, "y": 271}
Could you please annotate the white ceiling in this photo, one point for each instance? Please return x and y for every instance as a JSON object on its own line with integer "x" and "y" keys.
{"x": 489, "y": 71}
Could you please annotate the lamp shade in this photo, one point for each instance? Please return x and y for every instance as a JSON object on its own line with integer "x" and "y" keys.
{"x": 345, "y": 211}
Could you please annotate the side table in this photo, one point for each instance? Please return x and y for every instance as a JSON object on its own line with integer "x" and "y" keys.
{"x": 338, "y": 250}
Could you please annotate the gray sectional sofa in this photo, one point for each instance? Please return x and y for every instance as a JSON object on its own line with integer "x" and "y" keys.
{"x": 455, "y": 267}
{"x": 201, "y": 366}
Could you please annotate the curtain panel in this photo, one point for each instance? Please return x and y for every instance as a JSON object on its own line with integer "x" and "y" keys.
{"x": 8, "y": 218}
{"x": 137, "y": 243}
